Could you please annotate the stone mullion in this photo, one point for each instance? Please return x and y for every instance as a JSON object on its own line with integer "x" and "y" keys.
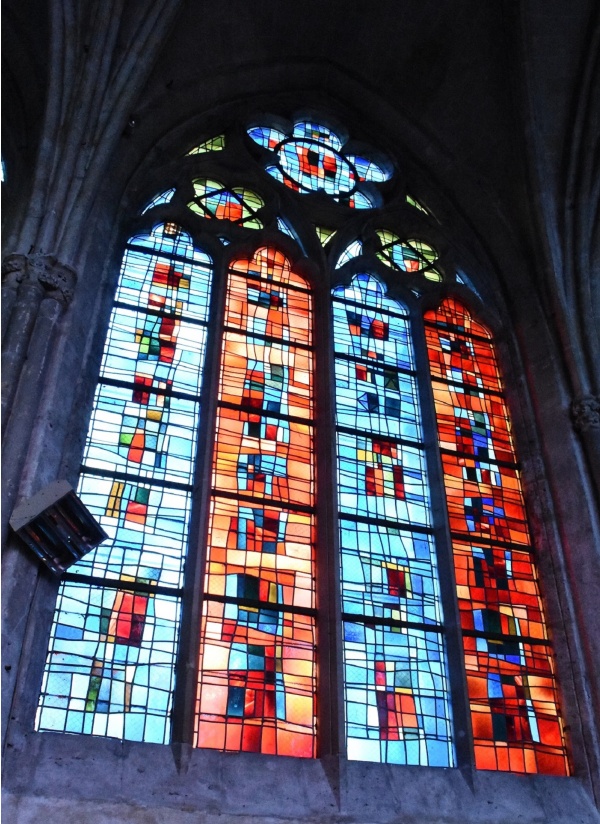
{"x": 330, "y": 678}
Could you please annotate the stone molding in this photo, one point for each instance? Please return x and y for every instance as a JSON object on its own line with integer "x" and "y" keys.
{"x": 585, "y": 412}
{"x": 57, "y": 279}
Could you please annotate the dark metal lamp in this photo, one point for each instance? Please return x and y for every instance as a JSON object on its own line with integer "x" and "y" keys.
{"x": 57, "y": 526}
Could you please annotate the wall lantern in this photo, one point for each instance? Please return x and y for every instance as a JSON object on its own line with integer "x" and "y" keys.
{"x": 56, "y": 525}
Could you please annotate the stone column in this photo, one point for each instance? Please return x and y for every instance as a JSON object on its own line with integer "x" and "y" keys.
{"x": 100, "y": 54}
{"x": 29, "y": 282}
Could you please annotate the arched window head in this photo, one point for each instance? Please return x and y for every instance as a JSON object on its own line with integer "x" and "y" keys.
{"x": 309, "y": 483}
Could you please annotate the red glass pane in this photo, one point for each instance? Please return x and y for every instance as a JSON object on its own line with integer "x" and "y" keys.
{"x": 512, "y": 688}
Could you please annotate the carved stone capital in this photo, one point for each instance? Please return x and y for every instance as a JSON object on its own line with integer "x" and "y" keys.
{"x": 14, "y": 270}
{"x": 585, "y": 412}
{"x": 56, "y": 279}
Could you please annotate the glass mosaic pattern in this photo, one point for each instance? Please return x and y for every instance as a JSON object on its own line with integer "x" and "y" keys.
{"x": 159, "y": 200}
{"x": 312, "y": 159}
{"x": 353, "y": 250}
{"x": 257, "y": 679}
{"x": 215, "y": 144}
{"x": 284, "y": 227}
{"x": 396, "y": 691}
{"x": 324, "y": 234}
{"x": 408, "y": 255}
{"x": 510, "y": 674}
{"x": 396, "y": 695}
{"x": 416, "y": 204}
{"x": 110, "y": 667}
{"x": 214, "y": 200}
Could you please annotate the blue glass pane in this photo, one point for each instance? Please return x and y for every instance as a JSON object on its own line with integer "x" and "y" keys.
{"x": 382, "y": 479}
{"x": 396, "y": 695}
{"x": 389, "y": 573}
{"x": 368, "y": 170}
{"x": 134, "y": 344}
{"x": 397, "y": 707}
{"x": 146, "y": 527}
{"x": 166, "y": 240}
{"x": 143, "y": 439}
{"x": 360, "y": 201}
{"x": 111, "y": 661}
{"x": 159, "y": 200}
{"x": 268, "y": 138}
{"x": 368, "y": 325}
{"x": 378, "y": 400}
{"x": 316, "y": 131}
{"x": 351, "y": 251}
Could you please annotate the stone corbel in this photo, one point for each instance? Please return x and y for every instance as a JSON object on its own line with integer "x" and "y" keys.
{"x": 585, "y": 413}
{"x": 56, "y": 279}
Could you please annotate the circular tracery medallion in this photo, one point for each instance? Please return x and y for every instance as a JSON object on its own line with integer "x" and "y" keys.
{"x": 313, "y": 166}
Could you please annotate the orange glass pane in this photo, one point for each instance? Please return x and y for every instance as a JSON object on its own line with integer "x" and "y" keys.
{"x": 472, "y": 423}
{"x": 274, "y": 377}
{"x": 257, "y": 678}
{"x": 514, "y": 706}
{"x": 265, "y": 307}
{"x": 502, "y": 580}
{"x": 485, "y": 499}
{"x": 263, "y": 457}
{"x": 262, "y": 553}
{"x": 271, "y": 264}
{"x": 512, "y": 688}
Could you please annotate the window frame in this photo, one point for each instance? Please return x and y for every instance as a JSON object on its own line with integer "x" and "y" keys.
{"x": 206, "y": 239}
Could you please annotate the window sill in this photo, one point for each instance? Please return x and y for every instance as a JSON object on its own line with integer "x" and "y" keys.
{"x": 52, "y": 777}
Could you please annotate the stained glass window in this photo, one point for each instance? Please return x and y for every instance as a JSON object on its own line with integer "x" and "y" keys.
{"x": 215, "y": 144}
{"x": 312, "y": 159}
{"x": 110, "y": 667}
{"x": 396, "y": 690}
{"x": 353, "y": 250}
{"x": 214, "y": 200}
{"x": 159, "y": 200}
{"x": 257, "y": 674}
{"x": 507, "y": 654}
{"x": 416, "y": 204}
{"x": 324, "y": 234}
{"x": 408, "y": 255}
{"x": 115, "y": 638}
{"x": 285, "y": 228}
